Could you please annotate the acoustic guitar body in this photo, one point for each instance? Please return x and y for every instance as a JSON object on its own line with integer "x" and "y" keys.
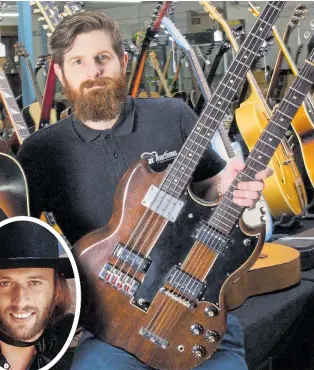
{"x": 304, "y": 129}
{"x": 13, "y": 188}
{"x": 278, "y": 267}
{"x": 145, "y": 309}
{"x": 34, "y": 111}
{"x": 284, "y": 191}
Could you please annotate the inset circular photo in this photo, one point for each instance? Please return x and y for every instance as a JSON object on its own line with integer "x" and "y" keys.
{"x": 40, "y": 296}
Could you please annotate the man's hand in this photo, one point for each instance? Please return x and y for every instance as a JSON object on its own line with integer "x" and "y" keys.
{"x": 247, "y": 193}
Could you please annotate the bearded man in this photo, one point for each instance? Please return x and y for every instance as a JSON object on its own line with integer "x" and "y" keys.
{"x": 73, "y": 167}
{"x": 34, "y": 296}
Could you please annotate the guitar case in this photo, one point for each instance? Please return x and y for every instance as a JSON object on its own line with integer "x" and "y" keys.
{"x": 304, "y": 243}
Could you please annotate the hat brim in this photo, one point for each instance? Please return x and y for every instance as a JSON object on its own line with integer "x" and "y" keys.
{"x": 62, "y": 264}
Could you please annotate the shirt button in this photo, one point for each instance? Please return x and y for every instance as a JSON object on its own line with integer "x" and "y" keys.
{"x": 115, "y": 155}
{"x": 107, "y": 136}
{"x": 6, "y": 366}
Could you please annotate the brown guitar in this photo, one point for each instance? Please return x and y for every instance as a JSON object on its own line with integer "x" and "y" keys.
{"x": 278, "y": 267}
{"x": 156, "y": 275}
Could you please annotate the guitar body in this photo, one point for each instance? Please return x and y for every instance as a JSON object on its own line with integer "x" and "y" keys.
{"x": 34, "y": 110}
{"x": 284, "y": 191}
{"x": 154, "y": 322}
{"x": 153, "y": 94}
{"x": 304, "y": 129}
{"x": 278, "y": 267}
{"x": 13, "y": 188}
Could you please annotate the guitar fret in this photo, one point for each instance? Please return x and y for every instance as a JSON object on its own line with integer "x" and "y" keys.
{"x": 215, "y": 217}
{"x": 290, "y": 102}
{"x": 255, "y": 160}
{"x": 305, "y": 79}
{"x": 297, "y": 91}
{"x": 255, "y": 148}
{"x": 284, "y": 114}
{"x": 248, "y": 176}
{"x": 272, "y": 134}
{"x": 234, "y": 90}
{"x": 282, "y": 127}
{"x": 228, "y": 219}
{"x": 264, "y": 142}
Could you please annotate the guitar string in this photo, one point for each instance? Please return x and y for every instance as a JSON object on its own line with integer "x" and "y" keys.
{"x": 278, "y": 115}
{"x": 240, "y": 68}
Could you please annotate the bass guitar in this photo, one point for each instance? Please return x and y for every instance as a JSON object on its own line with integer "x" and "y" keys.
{"x": 150, "y": 292}
{"x": 284, "y": 191}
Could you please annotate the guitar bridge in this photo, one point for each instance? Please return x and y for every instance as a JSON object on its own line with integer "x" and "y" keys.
{"x": 148, "y": 334}
{"x": 131, "y": 258}
{"x": 119, "y": 280}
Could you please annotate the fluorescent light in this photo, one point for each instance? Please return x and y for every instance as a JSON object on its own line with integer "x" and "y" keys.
{"x": 9, "y": 15}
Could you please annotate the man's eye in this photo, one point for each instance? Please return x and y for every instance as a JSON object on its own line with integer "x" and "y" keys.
{"x": 103, "y": 57}
{"x": 77, "y": 61}
{"x": 35, "y": 282}
{"x": 4, "y": 283}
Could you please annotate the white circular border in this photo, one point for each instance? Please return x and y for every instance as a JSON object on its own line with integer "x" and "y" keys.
{"x": 78, "y": 295}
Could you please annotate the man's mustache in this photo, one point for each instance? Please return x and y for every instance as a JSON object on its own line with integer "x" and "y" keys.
{"x": 16, "y": 309}
{"x": 100, "y": 81}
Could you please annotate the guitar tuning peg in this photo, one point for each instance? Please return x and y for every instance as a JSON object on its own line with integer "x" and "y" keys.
{"x": 36, "y": 11}
{"x": 45, "y": 26}
{"x": 40, "y": 19}
{"x": 49, "y": 34}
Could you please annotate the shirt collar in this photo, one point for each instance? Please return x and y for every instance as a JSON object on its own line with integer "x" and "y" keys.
{"x": 122, "y": 127}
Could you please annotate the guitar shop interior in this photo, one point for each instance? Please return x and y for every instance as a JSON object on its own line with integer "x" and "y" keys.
{"x": 186, "y": 57}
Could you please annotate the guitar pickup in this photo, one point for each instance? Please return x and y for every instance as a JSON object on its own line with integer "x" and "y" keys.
{"x": 131, "y": 258}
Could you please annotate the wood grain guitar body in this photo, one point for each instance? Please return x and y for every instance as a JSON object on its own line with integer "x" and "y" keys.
{"x": 284, "y": 190}
{"x": 34, "y": 110}
{"x": 130, "y": 270}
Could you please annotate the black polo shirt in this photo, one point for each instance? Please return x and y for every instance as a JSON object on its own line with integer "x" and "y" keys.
{"x": 73, "y": 170}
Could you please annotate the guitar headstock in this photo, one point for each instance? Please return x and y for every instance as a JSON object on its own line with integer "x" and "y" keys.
{"x": 266, "y": 46}
{"x": 131, "y": 47}
{"x": 214, "y": 14}
{"x": 175, "y": 33}
{"x": 49, "y": 14}
{"x": 72, "y": 7}
{"x": 162, "y": 9}
{"x": 297, "y": 16}
{"x": 20, "y": 50}
{"x": 43, "y": 61}
{"x": 237, "y": 33}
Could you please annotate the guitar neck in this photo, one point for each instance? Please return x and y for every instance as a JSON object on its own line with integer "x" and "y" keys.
{"x": 13, "y": 109}
{"x": 210, "y": 77}
{"x": 48, "y": 95}
{"x": 183, "y": 167}
{"x": 227, "y": 213}
{"x": 34, "y": 81}
{"x": 206, "y": 94}
{"x": 165, "y": 71}
{"x": 275, "y": 76}
{"x": 160, "y": 75}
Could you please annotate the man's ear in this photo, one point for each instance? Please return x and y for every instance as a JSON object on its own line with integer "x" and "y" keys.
{"x": 125, "y": 61}
{"x": 58, "y": 72}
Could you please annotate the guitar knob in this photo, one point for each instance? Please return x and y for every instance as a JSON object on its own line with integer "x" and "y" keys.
{"x": 198, "y": 351}
{"x": 263, "y": 218}
{"x": 263, "y": 210}
{"x": 197, "y": 329}
{"x": 211, "y": 311}
{"x": 212, "y": 336}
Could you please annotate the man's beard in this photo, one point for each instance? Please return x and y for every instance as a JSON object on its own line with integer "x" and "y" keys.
{"x": 24, "y": 331}
{"x": 103, "y": 104}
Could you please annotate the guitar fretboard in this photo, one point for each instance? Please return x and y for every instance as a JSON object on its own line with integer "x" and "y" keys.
{"x": 227, "y": 213}
{"x": 13, "y": 109}
{"x": 185, "y": 163}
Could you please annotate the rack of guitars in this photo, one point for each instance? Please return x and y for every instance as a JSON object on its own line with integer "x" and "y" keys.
{"x": 162, "y": 64}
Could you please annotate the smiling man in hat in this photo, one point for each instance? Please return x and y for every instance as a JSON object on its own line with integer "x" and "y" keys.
{"x": 34, "y": 296}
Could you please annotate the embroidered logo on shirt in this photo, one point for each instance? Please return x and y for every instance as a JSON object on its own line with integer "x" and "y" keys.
{"x": 154, "y": 157}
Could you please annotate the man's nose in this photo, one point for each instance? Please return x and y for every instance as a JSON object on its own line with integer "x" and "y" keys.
{"x": 20, "y": 295}
{"x": 94, "y": 69}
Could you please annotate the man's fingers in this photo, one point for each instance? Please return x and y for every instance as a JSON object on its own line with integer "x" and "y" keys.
{"x": 247, "y": 194}
{"x": 251, "y": 185}
{"x": 262, "y": 175}
{"x": 244, "y": 202}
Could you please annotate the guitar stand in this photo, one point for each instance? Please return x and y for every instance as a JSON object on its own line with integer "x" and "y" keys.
{"x": 307, "y": 214}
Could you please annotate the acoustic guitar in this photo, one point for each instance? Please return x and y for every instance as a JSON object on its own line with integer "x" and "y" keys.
{"x": 156, "y": 275}
{"x": 303, "y": 122}
{"x": 278, "y": 267}
{"x": 284, "y": 191}
{"x": 34, "y": 109}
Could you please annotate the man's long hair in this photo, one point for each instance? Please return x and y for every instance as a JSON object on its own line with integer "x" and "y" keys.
{"x": 62, "y": 299}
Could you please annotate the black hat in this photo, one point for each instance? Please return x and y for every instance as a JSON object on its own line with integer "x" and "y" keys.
{"x": 28, "y": 244}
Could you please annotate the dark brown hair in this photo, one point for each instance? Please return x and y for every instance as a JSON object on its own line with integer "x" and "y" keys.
{"x": 62, "y": 298}
{"x": 70, "y": 27}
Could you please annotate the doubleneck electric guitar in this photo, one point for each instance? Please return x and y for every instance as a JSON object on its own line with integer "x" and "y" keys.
{"x": 150, "y": 292}
{"x": 284, "y": 191}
